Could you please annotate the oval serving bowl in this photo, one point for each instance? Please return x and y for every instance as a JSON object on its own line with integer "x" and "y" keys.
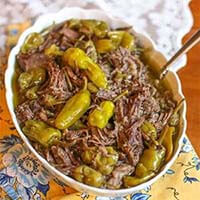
{"x": 152, "y": 57}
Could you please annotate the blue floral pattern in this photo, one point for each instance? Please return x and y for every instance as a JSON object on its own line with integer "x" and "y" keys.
{"x": 140, "y": 196}
{"x": 170, "y": 171}
{"x": 22, "y": 169}
{"x": 196, "y": 161}
{"x": 186, "y": 147}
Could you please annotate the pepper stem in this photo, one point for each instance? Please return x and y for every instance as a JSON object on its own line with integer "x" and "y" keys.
{"x": 179, "y": 106}
{"x": 120, "y": 95}
{"x": 163, "y": 134}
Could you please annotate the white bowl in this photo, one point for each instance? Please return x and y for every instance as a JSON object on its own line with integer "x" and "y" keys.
{"x": 152, "y": 56}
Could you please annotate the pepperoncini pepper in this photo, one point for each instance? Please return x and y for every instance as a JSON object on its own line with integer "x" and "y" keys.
{"x": 123, "y": 38}
{"x": 41, "y": 132}
{"x": 116, "y": 37}
{"x": 149, "y": 163}
{"x": 89, "y": 176}
{"x": 105, "y": 164}
{"x": 25, "y": 80}
{"x": 53, "y": 50}
{"x": 32, "y": 77}
{"x": 76, "y": 57}
{"x": 32, "y": 93}
{"x": 166, "y": 139}
{"x": 168, "y": 143}
{"x": 102, "y": 163}
{"x": 33, "y": 41}
{"x": 92, "y": 88}
{"x": 100, "y": 116}
{"x": 74, "y": 108}
{"x": 101, "y": 29}
{"x": 149, "y": 129}
{"x": 127, "y": 41}
{"x": 96, "y": 27}
{"x": 104, "y": 45}
{"x": 96, "y": 75}
{"x": 130, "y": 181}
{"x": 150, "y": 160}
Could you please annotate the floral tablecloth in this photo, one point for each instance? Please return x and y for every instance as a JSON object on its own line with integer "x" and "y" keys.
{"x": 23, "y": 177}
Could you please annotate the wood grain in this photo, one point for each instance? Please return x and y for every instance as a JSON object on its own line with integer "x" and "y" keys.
{"x": 190, "y": 79}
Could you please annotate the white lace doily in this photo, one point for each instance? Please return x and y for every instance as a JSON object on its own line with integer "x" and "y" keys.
{"x": 165, "y": 21}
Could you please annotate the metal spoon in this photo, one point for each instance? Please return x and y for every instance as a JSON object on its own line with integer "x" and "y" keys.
{"x": 184, "y": 49}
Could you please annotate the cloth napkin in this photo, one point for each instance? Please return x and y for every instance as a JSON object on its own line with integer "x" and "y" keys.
{"x": 23, "y": 177}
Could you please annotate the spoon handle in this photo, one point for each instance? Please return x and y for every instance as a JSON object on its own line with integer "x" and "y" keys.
{"x": 184, "y": 49}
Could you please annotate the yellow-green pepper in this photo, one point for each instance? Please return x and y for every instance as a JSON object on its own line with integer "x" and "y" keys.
{"x": 100, "y": 116}
{"x": 105, "y": 164}
{"x": 96, "y": 75}
{"x": 149, "y": 129}
{"x": 25, "y": 80}
{"x": 148, "y": 165}
{"x": 127, "y": 41}
{"x": 32, "y": 93}
{"x": 116, "y": 37}
{"x": 41, "y": 132}
{"x": 53, "y": 50}
{"x": 32, "y": 77}
{"x": 123, "y": 38}
{"x": 130, "y": 181}
{"x": 92, "y": 88}
{"x": 150, "y": 160}
{"x": 89, "y": 176}
{"x": 33, "y": 41}
{"x": 104, "y": 45}
{"x": 74, "y": 109}
{"x": 102, "y": 163}
{"x": 76, "y": 57}
{"x": 99, "y": 28}
{"x": 166, "y": 139}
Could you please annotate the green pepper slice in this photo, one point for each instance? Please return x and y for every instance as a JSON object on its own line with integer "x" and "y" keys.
{"x": 100, "y": 116}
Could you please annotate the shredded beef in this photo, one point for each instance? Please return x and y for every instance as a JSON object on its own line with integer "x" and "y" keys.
{"x": 31, "y": 110}
{"x": 53, "y": 37}
{"x": 69, "y": 33}
{"x": 123, "y": 60}
{"x": 28, "y": 61}
{"x": 62, "y": 157}
{"x": 129, "y": 140}
{"x": 101, "y": 137}
{"x": 118, "y": 173}
{"x": 23, "y": 112}
{"x": 56, "y": 84}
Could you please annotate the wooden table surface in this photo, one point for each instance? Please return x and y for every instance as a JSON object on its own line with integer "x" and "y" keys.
{"x": 190, "y": 78}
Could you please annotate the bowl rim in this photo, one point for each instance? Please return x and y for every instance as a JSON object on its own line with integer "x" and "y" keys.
{"x": 52, "y": 170}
